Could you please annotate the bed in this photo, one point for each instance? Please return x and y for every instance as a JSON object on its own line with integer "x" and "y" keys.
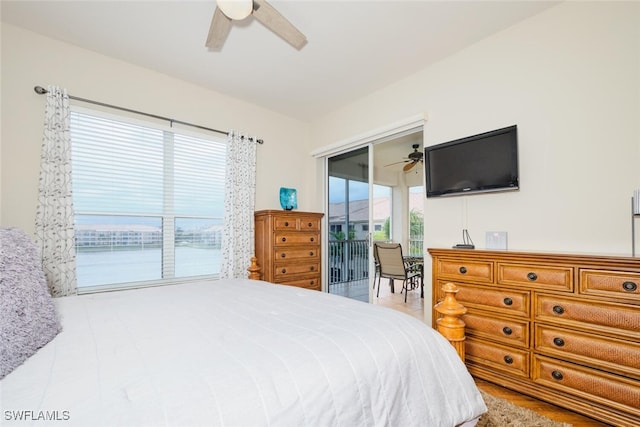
{"x": 238, "y": 353}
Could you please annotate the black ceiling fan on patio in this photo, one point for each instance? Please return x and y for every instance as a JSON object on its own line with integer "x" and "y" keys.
{"x": 413, "y": 158}
{"x": 237, "y": 10}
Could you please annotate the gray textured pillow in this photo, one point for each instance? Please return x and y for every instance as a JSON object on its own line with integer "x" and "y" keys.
{"x": 27, "y": 314}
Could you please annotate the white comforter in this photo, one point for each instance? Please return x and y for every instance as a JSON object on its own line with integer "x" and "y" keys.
{"x": 238, "y": 353}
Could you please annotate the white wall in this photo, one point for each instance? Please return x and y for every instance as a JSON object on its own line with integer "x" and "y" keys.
{"x": 570, "y": 79}
{"x": 29, "y": 59}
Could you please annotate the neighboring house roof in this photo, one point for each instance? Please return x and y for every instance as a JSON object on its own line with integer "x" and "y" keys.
{"x": 359, "y": 209}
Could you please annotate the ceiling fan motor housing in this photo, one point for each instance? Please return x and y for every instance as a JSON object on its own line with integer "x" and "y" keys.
{"x": 416, "y": 155}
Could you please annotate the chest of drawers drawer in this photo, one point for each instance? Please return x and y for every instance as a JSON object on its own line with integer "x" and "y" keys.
{"x": 597, "y": 386}
{"x": 307, "y": 223}
{"x": 293, "y": 253}
{"x": 309, "y": 283}
{"x": 593, "y": 350}
{"x": 286, "y": 238}
{"x": 535, "y": 276}
{"x": 510, "y": 302}
{"x": 613, "y": 284}
{"x": 474, "y": 271}
{"x": 508, "y": 331}
{"x": 284, "y": 271}
{"x": 604, "y": 317}
{"x": 497, "y": 357}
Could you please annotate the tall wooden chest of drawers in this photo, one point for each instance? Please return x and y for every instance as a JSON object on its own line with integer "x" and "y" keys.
{"x": 288, "y": 247}
{"x": 563, "y": 328}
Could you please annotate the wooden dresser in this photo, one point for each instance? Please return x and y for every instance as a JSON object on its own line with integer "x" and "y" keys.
{"x": 563, "y": 328}
{"x": 288, "y": 247}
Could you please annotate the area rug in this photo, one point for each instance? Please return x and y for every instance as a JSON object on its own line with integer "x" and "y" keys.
{"x": 505, "y": 414}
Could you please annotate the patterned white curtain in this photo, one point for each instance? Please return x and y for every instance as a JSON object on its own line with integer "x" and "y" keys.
{"x": 240, "y": 188}
{"x": 54, "y": 216}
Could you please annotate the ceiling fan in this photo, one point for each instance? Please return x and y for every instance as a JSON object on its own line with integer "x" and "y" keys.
{"x": 237, "y": 10}
{"x": 412, "y": 159}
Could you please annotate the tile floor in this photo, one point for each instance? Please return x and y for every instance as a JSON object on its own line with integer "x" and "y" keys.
{"x": 359, "y": 290}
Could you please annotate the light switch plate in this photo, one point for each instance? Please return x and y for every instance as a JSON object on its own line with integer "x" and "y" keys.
{"x": 496, "y": 240}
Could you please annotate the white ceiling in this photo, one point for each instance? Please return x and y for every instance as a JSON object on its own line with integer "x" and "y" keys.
{"x": 354, "y": 47}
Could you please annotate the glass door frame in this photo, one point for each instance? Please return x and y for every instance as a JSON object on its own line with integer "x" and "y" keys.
{"x": 370, "y": 138}
{"x": 369, "y": 238}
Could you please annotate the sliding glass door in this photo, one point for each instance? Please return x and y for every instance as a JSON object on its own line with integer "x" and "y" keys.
{"x": 359, "y": 212}
{"x": 349, "y": 219}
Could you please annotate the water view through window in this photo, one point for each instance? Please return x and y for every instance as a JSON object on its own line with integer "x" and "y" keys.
{"x": 120, "y": 249}
{"x": 148, "y": 202}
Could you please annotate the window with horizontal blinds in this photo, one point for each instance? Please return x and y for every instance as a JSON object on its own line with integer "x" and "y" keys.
{"x": 148, "y": 202}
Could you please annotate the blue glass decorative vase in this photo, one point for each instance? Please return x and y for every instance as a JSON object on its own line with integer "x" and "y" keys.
{"x": 288, "y": 198}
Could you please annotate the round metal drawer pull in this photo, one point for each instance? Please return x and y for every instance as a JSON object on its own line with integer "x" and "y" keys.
{"x": 284, "y": 270}
{"x": 532, "y": 276}
{"x": 284, "y": 239}
{"x": 286, "y": 224}
{"x": 629, "y": 286}
{"x": 463, "y": 270}
{"x": 557, "y": 309}
{"x": 283, "y": 255}
{"x": 508, "y": 360}
{"x": 312, "y": 268}
{"x": 310, "y": 253}
{"x": 507, "y": 330}
{"x": 558, "y": 341}
{"x": 313, "y": 282}
{"x": 312, "y": 239}
{"x": 557, "y": 375}
{"x": 507, "y": 301}
{"x": 310, "y": 224}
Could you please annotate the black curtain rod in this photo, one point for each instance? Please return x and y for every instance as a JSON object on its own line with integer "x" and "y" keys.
{"x": 41, "y": 91}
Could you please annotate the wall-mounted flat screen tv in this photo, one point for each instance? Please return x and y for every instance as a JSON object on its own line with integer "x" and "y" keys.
{"x": 478, "y": 163}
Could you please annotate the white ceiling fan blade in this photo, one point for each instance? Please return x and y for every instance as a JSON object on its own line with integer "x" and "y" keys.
{"x": 218, "y": 30}
{"x": 277, "y": 23}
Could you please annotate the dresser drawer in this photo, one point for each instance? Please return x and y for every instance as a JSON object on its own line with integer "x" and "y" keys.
{"x": 475, "y": 271}
{"x": 295, "y": 253}
{"x": 536, "y": 276}
{"x": 511, "y": 332}
{"x": 503, "y": 301}
{"x": 604, "y": 317}
{"x": 283, "y": 238}
{"x": 609, "y": 354}
{"x": 308, "y": 283}
{"x": 285, "y": 223}
{"x": 497, "y": 357}
{"x": 309, "y": 223}
{"x": 615, "y": 284}
{"x": 282, "y": 272}
{"x": 606, "y": 389}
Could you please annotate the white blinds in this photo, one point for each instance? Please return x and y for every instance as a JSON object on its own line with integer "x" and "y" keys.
{"x": 199, "y": 175}
{"x": 117, "y": 166}
{"x": 148, "y": 202}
